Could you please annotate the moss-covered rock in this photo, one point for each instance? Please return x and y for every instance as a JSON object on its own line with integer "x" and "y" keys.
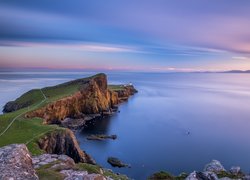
{"x": 161, "y": 175}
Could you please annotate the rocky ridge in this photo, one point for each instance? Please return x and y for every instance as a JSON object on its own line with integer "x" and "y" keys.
{"x": 93, "y": 98}
{"x": 16, "y": 163}
{"x": 212, "y": 171}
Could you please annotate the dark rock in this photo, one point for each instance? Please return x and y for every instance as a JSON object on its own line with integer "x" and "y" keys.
{"x": 115, "y": 162}
{"x": 73, "y": 124}
{"x": 16, "y": 163}
{"x": 64, "y": 142}
{"x": 214, "y": 166}
{"x": 101, "y": 137}
{"x": 162, "y": 175}
{"x": 13, "y": 106}
{"x": 246, "y": 177}
{"x": 202, "y": 176}
{"x": 235, "y": 170}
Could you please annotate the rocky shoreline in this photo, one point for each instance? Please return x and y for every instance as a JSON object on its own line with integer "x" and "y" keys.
{"x": 212, "y": 171}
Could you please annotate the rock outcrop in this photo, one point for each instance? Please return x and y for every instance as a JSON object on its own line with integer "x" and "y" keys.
{"x": 16, "y": 163}
{"x": 94, "y": 97}
{"x": 63, "y": 141}
{"x": 64, "y": 166}
{"x": 45, "y": 159}
{"x": 13, "y": 106}
{"x": 212, "y": 171}
{"x": 214, "y": 166}
{"x": 115, "y": 162}
{"x": 202, "y": 176}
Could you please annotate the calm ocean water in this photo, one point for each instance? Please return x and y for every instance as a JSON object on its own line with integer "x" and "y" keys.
{"x": 152, "y": 126}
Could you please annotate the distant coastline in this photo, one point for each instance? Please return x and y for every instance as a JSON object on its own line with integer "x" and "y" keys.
{"x": 237, "y": 71}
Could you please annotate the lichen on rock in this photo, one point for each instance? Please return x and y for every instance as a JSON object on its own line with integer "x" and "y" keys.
{"x": 16, "y": 163}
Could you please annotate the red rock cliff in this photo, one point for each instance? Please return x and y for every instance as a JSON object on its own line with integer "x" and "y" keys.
{"x": 93, "y": 97}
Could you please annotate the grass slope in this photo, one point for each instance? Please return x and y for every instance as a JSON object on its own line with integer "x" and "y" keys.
{"x": 15, "y": 128}
{"x": 23, "y": 130}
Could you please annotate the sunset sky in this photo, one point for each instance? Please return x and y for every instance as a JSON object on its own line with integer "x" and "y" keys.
{"x": 143, "y": 35}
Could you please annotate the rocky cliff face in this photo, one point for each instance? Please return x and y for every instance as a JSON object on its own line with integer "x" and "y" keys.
{"x": 64, "y": 142}
{"x": 94, "y": 97}
{"x": 16, "y": 163}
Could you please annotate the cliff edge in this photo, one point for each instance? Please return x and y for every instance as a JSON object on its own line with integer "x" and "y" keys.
{"x": 93, "y": 97}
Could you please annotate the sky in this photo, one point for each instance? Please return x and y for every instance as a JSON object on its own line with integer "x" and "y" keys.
{"x": 137, "y": 35}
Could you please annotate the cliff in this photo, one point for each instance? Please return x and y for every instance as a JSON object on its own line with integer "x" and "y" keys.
{"x": 64, "y": 142}
{"x": 93, "y": 97}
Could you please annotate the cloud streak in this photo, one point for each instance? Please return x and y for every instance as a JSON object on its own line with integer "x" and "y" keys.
{"x": 154, "y": 33}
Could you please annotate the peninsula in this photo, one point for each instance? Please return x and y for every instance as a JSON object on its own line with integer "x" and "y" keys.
{"x": 42, "y": 119}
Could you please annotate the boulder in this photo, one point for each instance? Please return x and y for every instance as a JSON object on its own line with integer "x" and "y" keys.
{"x": 214, "y": 166}
{"x": 81, "y": 175}
{"x": 44, "y": 159}
{"x": 16, "y": 163}
{"x": 115, "y": 162}
{"x": 202, "y": 176}
{"x": 235, "y": 170}
{"x": 101, "y": 137}
{"x": 246, "y": 177}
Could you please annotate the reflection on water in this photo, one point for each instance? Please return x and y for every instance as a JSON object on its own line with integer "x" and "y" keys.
{"x": 152, "y": 127}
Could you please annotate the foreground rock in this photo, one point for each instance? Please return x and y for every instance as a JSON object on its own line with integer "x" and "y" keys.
{"x": 53, "y": 166}
{"x": 214, "y": 166}
{"x": 16, "y": 163}
{"x": 116, "y": 162}
{"x": 44, "y": 159}
{"x": 202, "y": 175}
{"x": 101, "y": 137}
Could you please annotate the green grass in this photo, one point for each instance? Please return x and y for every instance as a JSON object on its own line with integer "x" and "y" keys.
{"x": 5, "y": 119}
{"x": 114, "y": 176}
{"x": 229, "y": 175}
{"x": 88, "y": 167}
{"x": 115, "y": 87}
{"x": 161, "y": 175}
{"x": 28, "y": 131}
{"x": 58, "y": 92}
{"x": 24, "y": 131}
{"x": 46, "y": 174}
{"x": 49, "y": 172}
{"x": 52, "y": 93}
{"x": 30, "y": 97}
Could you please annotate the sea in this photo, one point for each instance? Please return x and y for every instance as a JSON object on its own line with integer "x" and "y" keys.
{"x": 177, "y": 122}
